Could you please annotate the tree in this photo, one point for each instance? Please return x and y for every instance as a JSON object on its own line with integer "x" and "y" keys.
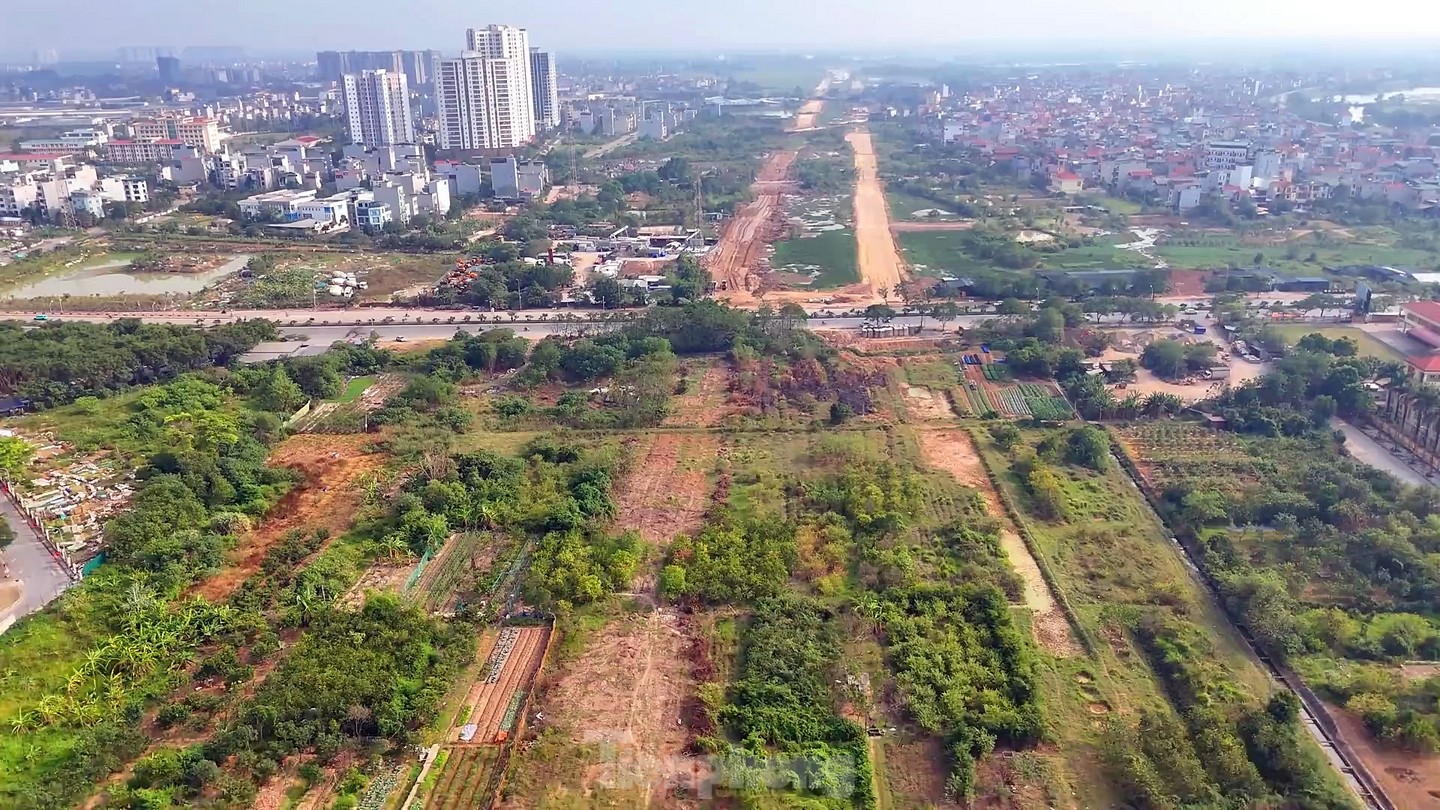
{"x": 1165, "y": 357}
{"x": 279, "y": 393}
{"x": 1088, "y": 446}
{"x": 606, "y": 292}
{"x": 1005, "y": 435}
{"x": 15, "y": 455}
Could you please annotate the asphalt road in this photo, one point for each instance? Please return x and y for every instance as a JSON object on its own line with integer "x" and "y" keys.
{"x": 40, "y": 575}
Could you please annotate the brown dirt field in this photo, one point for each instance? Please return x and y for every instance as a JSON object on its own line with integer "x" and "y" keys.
{"x": 927, "y": 404}
{"x": 665, "y": 492}
{"x": 880, "y": 262}
{"x": 703, "y": 405}
{"x": 627, "y": 694}
{"x": 381, "y": 577}
{"x": 328, "y": 497}
{"x": 734, "y": 260}
{"x": 410, "y": 346}
{"x": 920, "y": 227}
{"x": 490, "y": 695}
{"x": 1187, "y": 283}
{"x": 915, "y": 772}
{"x": 953, "y": 452}
{"x": 1410, "y": 780}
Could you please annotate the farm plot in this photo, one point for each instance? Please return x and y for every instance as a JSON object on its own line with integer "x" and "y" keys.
{"x": 468, "y": 779}
{"x": 346, "y": 414}
{"x": 1173, "y": 453}
{"x": 988, "y": 388}
{"x": 436, "y": 582}
{"x": 493, "y": 703}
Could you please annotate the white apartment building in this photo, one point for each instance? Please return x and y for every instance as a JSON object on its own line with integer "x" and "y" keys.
{"x": 1225, "y": 154}
{"x": 485, "y": 97}
{"x": 377, "y": 106}
{"x": 135, "y": 189}
{"x": 203, "y": 133}
{"x": 514, "y": 179}
{"x": 127, "y": 151}
{"x": 545, "y": 88}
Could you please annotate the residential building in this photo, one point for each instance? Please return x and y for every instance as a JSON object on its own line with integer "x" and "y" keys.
{"x": 1064, "y": 182}
{"x": 1225, "y": 154}
{"x": 169, "y": 67}
{"x": 377, "y": 105}
{"x": 135, "y": 189}
{"x": 372, "y": 215}
{"x": 465, "y": 178}
{"x": 142, "y": 151}
{"x": 89, "y": 202}
{"x": 514, "y": 179}
{"x": 485, "y": 97}
{"x": 201, "y": 132}
{"x": 545, "y": 88}
{"x": 653, "y": 129}
{"x": 282, "y": 205}
{"x": 418, "y": 66}
{"x": 28, "y": 162}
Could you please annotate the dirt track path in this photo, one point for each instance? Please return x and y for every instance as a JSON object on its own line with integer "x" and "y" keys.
{"x": 734, "y": 259}
{"x": 880, "y": 262}
{"x": 955, "y": 453}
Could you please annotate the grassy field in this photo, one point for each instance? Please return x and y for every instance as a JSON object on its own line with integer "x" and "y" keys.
{"x": 1370, "y": 346}
{"x": 1223, "y": 252}
{"x": 903, "y": 206}
{"x": 937, "y": 253}
{"x": 355, "y": 388}
{"x": 1113, "y": 561}
{"x": 833, "y": 253}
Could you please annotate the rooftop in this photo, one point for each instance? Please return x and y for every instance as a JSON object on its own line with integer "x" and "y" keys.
{"x": 1429, "y": 310}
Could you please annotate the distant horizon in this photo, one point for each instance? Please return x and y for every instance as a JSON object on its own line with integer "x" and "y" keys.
{"x": 751, "y": 26}
{"x": 1099, "y": 50}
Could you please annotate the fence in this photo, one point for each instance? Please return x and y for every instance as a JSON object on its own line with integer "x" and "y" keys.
{"x": 1369, "y": 788}
{"x": 42, "y": 533}
{"x": 1023, "y": 529}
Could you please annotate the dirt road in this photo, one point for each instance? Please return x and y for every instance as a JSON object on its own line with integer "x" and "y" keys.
{"x": 733, "y": 263}
{"x": 809, "y": 111}
{"x": 880, "y": 262}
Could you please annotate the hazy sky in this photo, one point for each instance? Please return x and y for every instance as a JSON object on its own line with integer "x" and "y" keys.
{"x": 712, "y": 25}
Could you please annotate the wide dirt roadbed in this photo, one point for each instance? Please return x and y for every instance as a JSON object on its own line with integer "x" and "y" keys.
{"x": 880, "y": 262}
{"x": 665, "y": 491}
{"x": 954, "y": 452}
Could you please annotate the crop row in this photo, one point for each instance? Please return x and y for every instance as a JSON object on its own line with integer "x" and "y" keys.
{"x": 1049, "y": 408}
{"x": 1013, "y": 401}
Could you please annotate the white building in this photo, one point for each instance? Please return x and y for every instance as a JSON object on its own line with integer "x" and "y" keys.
{"x": 203, "y": 133}
{"x": 135, "y": 189}
{"x": 465, "y": 178}
{"x": 75, "y": 140}
{"x": 654, "y": 129}
{"x": 514, "y": 179}
{"x": 377, "y": 105}
{"x": 485, "y": 96}
{"x": 1225, "y": 154}
{"x": 545, "y": 88}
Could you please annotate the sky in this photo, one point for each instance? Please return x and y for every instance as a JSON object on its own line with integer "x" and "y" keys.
{"x": 711, "y": 26}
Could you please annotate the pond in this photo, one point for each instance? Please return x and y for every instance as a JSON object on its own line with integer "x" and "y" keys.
{"x": 110, "y": 278}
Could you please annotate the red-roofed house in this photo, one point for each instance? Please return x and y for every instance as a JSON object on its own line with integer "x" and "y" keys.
{"x": 1421, "y": 321}
{"x": 1064, "y": 182}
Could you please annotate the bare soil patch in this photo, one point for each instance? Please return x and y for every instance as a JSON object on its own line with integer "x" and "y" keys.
{"x": 735, "y": 261}
{"x": 328, "y": 498}
{"x": 628, "y": 694}
{"x": 929, "y": 405}
{"x": 955, "y": 453}
{"x": 703, "y": 405}
{"x": 1411, "y": 780}
{"x": 915, "y": 772}
{"x": 664, "y": 493}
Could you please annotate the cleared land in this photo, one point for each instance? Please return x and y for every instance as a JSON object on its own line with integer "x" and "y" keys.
{"x": 1370, "y": 346}
{"x": 327, "y": 498}
{"x": 734, "y": 261}
{"x": 954, "y": 452}
{"x": 665, "y": 492}
{"x": 880, "y": 262}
